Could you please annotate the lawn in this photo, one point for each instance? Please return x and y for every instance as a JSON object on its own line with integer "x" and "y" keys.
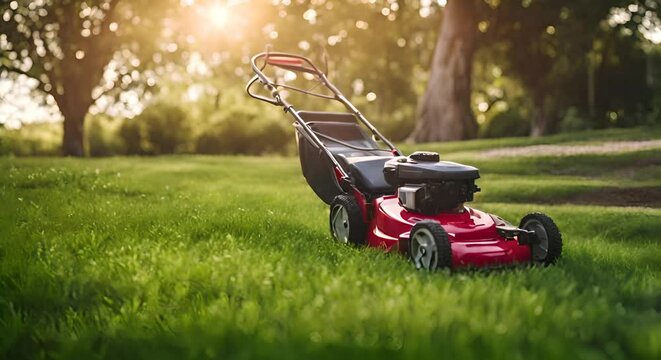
{"x": 230, "y": 257}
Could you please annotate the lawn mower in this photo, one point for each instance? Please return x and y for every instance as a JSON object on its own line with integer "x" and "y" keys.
{"x": 415, "y": 204}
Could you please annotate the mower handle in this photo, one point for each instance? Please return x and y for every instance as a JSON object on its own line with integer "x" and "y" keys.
{"x": 285, "y": 61}
{"x": 291, "y": 62}
{"x": 300, "y": 63}
{"x": 273, "y": 101}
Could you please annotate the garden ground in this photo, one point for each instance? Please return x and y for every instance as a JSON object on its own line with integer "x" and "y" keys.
{"x": 204, "y": 257}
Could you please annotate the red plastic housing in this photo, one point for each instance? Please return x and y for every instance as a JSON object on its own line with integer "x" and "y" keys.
{"x": 280, "y": 60}
{"x": 472, "y": 233}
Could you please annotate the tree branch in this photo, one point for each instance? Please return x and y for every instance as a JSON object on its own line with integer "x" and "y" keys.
{"x": 103, "y": 93}
{"x": 41, "y": 85}
{"x": 109, "y": 15}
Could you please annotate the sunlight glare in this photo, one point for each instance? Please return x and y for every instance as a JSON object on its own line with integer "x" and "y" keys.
{"x": 219, "y": 15}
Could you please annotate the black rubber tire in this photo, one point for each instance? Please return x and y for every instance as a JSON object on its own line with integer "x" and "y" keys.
{"x": 443, "y": 254}
{"x": 553, "y": 235}
{"x": 357, "y": 229}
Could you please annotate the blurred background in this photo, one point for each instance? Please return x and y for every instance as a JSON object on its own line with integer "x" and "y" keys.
{"x": 145, "y": 77}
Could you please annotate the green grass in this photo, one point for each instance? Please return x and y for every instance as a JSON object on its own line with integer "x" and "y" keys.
{"x": 230, "y": 257}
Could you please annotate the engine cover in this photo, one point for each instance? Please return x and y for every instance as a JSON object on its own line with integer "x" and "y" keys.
{"x": 428, "y": 186}
{"x": 404, "y": 170}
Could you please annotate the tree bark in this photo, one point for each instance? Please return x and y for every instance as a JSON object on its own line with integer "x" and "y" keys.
{"x": 445, "y": 112}
{"x": 74, "y": 103}
{"x": 539, "y": 122}
{"x": 592, "y": 89}
{"x": 545, "y": 116}
{"x": 72, "y": 139}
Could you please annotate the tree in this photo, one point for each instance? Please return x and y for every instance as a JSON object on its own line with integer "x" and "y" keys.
{"x": 378, "y": 73}
{"x": 547, "y": 46}
{"x": 445, "y": 112}
{"x": 66, "y": 45}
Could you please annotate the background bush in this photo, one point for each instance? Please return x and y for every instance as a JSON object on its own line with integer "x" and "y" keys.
{"x": 41, "y": 139}
{"x": 245, "y": 131}
{"x": 162, "y": 128}
{"x": 235, "y": 125}
{"x": 131, "y": 137}
{"x": 509, "y": 123}
{"x": 573, "y": 121}
{"x": 103, "y": 136}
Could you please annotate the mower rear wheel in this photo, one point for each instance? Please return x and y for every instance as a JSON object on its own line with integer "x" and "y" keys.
{"x": 429, "y": 246}
{"x": 548, "y": 247}
{"x": 346, "y": 221}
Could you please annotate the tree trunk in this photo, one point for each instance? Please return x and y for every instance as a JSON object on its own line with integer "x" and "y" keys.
{"x": 539, "y": 122}
{"x": 74, "y": 102}
{"x": 592, "y": 89}
{"x": 72, "y": 139}
{"x": 73, "y": 105}
{"x": 445, "y": 112}
{"x": 544, "y": 117}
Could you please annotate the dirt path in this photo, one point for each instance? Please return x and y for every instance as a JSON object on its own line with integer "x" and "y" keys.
{"x": 607, "y": 196}
{"x": 613, "y": 196}
{"x": 611, "y": 147}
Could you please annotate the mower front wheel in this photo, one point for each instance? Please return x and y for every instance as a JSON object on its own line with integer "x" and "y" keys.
{"x": 429, "y": 246}
{"x": 346, "y": 221}
{"x": 548, "y": 245}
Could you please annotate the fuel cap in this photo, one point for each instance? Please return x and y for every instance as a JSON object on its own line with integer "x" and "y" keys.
{"x": 427, "y": 156}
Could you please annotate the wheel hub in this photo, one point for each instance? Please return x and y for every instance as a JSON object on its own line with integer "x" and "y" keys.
{"x": 340, "y": 224}
{"x": 540, "y": 248}
{"x": 423, "y": 249}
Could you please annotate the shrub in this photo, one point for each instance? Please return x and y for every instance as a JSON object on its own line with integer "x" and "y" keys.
{"x": 573, "y": 121}
{"x": 166, "y": 128}
{"x": 129, "y": 132}
{"x": 244, "y": 130}
{"x": 42, "y": 139}
{"x": 160, "y": 129}
{"x": 102, "y": 136}
{"x": 5, "y": 146}
{"x": 506, "y": 124}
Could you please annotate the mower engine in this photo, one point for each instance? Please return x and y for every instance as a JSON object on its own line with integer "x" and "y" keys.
{"x": 429, "y": 186}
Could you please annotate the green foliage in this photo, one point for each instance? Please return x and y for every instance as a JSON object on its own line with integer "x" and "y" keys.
{"x": 161, "y": 129}
{"x": 509, "y": 123}
{"x": 65, "y": 47}
{"x": 233, "y": 136}
{"x": 533, "y": 55}
{"x": 130, "y": 133}
{"x": 31, "y": 140}
{"x": 236, "y": 124}
{"x": 574, "y": 121}
{"x": 624, "y": 61}
{"x": 392, "y": 66}
{"x": 570, "y": 54}
{"x": 102, "y": 136}
{"x": 166, "y": 129}
{"x": 230, "y": 257}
